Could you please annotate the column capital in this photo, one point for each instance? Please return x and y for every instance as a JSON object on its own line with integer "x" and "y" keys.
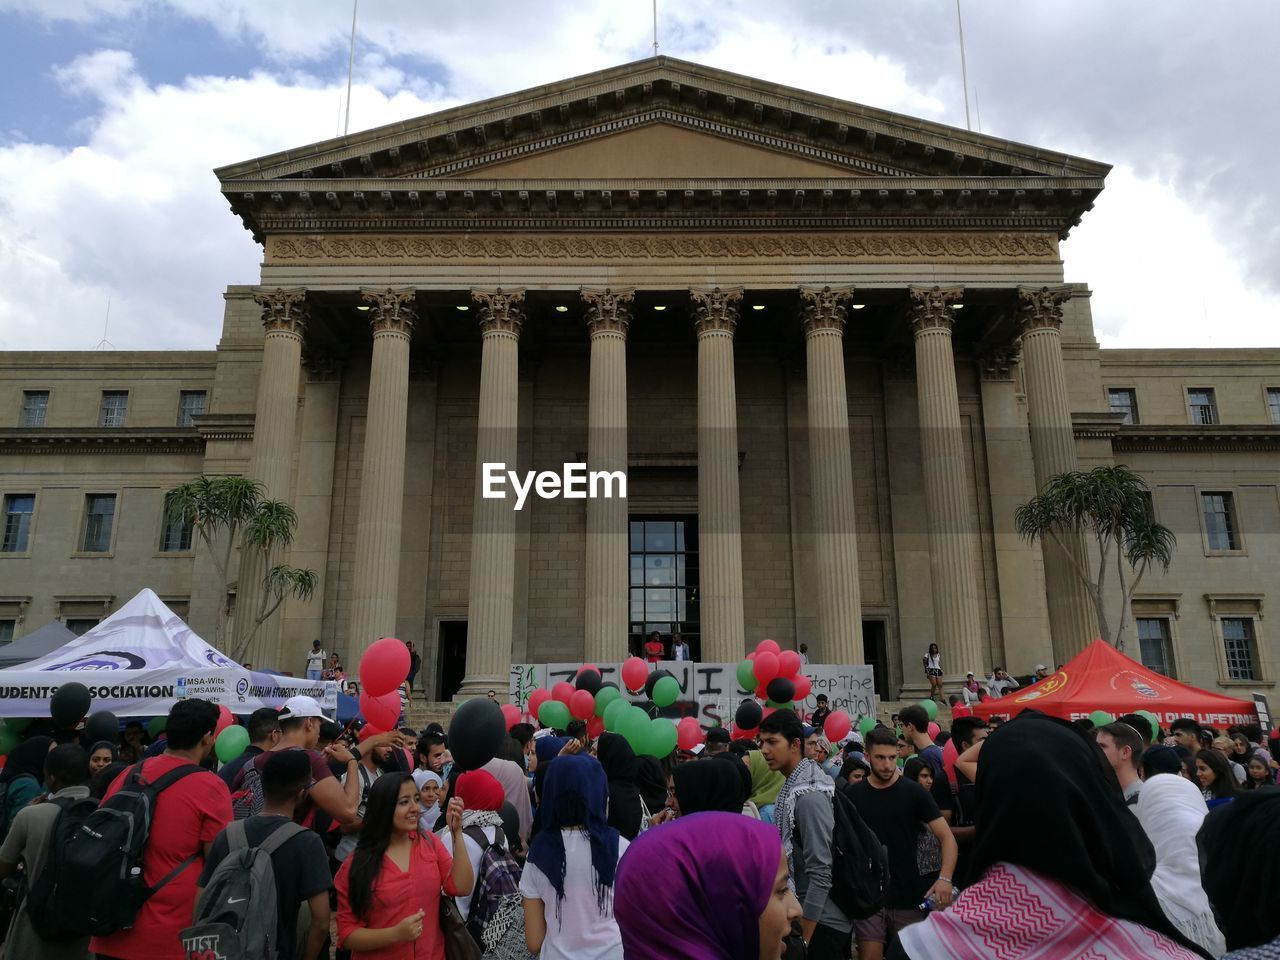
{"x": 283, "y": 311}
{"x": 931, "y": 308}
{"x": 501, "y": 312}
{"x": 393, "y": 310}
{"x": 824, "y": 308}
{"x": 1040, "y": 308}
{"x": 715, "y": 310}
{"x": 998, "y": 362}
{"x": 608, "y": 311}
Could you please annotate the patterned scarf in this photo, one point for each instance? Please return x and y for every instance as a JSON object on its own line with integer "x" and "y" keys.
{"x": 805, "y": 778}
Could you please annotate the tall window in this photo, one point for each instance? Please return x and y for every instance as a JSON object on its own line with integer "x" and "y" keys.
{"x": 1153, "y": 644}
{"x": 1220, "y": 521}
{"x": 99, "y": 517}
{"x": 1202, "y": 405}
{"x": 1124, "y": 400}
{"x": 6, "y": 631}
{"x": 1273, "y": 403}
{"x": 664, "y": 579}
{"x": 114, "y": 405}
{"x": 1237, "y": 639}
{"x": 81, "y": 625}
{"x": 190, "y": 404}
{"x": 18, "y": 508}
{"x": 35, "y": 404}
{"x": 176, "y": 537}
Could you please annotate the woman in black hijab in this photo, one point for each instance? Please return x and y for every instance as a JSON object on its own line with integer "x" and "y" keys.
{"x": 1240, "y": 868}
{"x": 704, "y": 785}
{"x": 651, "y": 781}
{"x": 1053, "y": 836}
{"x": 619, "y": 762}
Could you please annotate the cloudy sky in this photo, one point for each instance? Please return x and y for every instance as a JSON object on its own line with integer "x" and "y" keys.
{"x": 114, "y": 112}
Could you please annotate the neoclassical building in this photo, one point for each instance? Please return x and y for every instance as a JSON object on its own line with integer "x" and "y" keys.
{"x": 830, "y": 347}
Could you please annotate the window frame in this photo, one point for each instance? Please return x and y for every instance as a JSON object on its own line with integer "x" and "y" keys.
{"x": 691, "y": 592}
{"x": 102, "y": 409}
{"x": 13, "y": 630}
{"x": 81, "y": 542}
{"x": 1134, "y": 417}
{"x": 22, "y": 409}
{"x": 31, "y": 524}
{"x": 1273, "y": 413}
{"x": 1167, "y": 618}
{"x": 1213, "y": 406}
{"x": 204, "y": 407}
{"x": 1239, "y": 606}
{"x": 1236, "y": 521}
{"x": 164, "y": 528}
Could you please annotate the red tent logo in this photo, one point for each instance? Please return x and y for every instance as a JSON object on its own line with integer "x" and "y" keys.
{"x": 1045, "y": 687}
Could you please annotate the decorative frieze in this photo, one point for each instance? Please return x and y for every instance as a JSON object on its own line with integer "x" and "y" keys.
{"x": 501, "y": 311}
{"x": 932, "y": 308}
{"x": 715, "y": 310}
{"x": 824, "y": 309}
{"x": 393, "y": 310}
{"x": 608, "y": 312}
{"x": 1040, "y": 308}
{"x": 283, "y": 311}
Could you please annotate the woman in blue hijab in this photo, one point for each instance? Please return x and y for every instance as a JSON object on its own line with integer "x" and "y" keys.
{"x": 567, "y": 884}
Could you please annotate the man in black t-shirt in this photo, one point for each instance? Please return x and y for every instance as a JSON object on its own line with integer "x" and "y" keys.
{"x": 896, "y": 809}
{"x": 301, "y": 865}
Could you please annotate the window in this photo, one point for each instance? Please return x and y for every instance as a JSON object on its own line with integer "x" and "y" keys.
{"x": 81, "y": 625}
{"x": 35, "y": 404}
{"x": 1124, "y": 400}
{"x": 1153, "y": 644}
{"x": 190, "y": 404}
{"x": 176, "y": 537}
{"x": 18, "y": 508}
{"x": 1273, "y": 403}
{"x": 1220, "y": 521}
{"x": 6, "y": 631}
{"x": 114, "y": 405}
{"x": 99, "y": 517}
{"x": 1237, "y": 639}
{"x": 1202, "y": 405}
{"x": 664, "y": 580}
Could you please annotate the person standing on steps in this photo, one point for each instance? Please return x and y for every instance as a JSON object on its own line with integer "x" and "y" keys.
{"x": 415, "y": 664}
{"x": 933, "y": 671}
{"x": 315, "y": 661}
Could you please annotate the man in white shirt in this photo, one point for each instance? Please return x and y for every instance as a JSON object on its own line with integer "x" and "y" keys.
{"x": 679, "y": 649}
{"x": 1000, "y": 683}
{"x": 804, "y": 654}
{"x": 315, "y": 661}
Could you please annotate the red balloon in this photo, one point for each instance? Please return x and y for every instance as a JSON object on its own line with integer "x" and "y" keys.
{"x": 788, "y": 664}
{"x": 510, "y": 714}
{"x": 582, "y": 704}
{"x": 803, "y": 687}
{"x": 762, "y": 692}
{"x": 225, "y": 719}
{"x": 367, "y": 731}
{"x": 634, "y": 673}
{"x": 740, "y": 734}
{"x": 766, "y": 711}
{"x": 595, "y": 727}
{"x": 383, "y": 667}
{"x": 688, "y": 733}
{"x": 383, "y": 711}
{"x": 837, "y": 726}
{"x": 770, "y": 646}
{"x": 751, "y": 655}
{"x": 562, "y": 691}
{"x": 765, "y": 667}
{"x": 537, "y": 697}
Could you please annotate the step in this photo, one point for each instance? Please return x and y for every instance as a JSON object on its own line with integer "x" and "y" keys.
{"x": 423, "y": 712}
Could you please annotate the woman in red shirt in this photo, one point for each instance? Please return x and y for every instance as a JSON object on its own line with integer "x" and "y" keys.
{"x": 389, "y": 888}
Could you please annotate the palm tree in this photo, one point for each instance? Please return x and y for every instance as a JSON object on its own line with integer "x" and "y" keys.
{"x": 230, "y": 512}
{"x": 1113, "y": 506}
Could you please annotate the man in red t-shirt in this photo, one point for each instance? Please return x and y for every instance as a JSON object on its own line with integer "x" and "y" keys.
{"x": 654, "y": 651}
{"x": 188, "y": 815}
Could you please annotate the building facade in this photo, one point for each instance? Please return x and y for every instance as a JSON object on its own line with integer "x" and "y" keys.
{"x": 829, "y": 347}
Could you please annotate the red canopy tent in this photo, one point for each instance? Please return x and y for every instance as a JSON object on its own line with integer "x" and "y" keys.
{"x": 1102, "y": 678}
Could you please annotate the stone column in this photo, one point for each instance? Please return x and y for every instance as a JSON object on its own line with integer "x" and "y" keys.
{"x": 1053, "y": 449}
{"x": 719, "y": 511}
{"x": 491, "y": 593}
{"x": 835, "y": 537}
{"x": 607, "y": 567}
{"x": 950, "y": 515}
{"x": 284, "y": 317}
{"x": 376, "y": 573}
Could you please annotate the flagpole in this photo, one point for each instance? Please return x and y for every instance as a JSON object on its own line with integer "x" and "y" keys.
{"x": 351, "y": 55}
{"x": 964, "y": 71}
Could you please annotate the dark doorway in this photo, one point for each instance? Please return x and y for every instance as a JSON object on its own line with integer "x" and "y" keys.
{"x": 664, "y": 581}
{"x": 451, "y": 658}
{"x": 873, "y": 646}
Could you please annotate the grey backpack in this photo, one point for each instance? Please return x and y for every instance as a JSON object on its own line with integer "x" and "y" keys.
{"x": 236, "y": 917}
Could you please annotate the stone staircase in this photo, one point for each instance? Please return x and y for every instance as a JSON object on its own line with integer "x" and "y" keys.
{"x": 423, "y": 712}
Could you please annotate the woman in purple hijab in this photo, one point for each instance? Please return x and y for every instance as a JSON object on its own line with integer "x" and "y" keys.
{"x": 710, "y": 886}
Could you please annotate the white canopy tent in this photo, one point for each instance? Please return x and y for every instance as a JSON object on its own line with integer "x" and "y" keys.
{"x": 140, "y": 661}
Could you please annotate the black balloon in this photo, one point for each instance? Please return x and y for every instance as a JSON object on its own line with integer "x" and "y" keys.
{"x": 781, "y": 690}
{"x": 654, "y": 678}
{"x": 70, "y": 704}
{"x": 476, "y": 733}
{"x": 589, "y": 680}
{"x": 749, "y": 715}
{"x": 102, "y": 725}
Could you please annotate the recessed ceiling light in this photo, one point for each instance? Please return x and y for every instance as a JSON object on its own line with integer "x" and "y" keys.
{"x": 659, "y": 307}
{"x": 957, "y": 306}
{"x": 856, "y": 306}
{"x": 364, "y": 308}
{"x": 757, "y": 306}
{"x": 462, "y": 307}
{"x": 561, "y": 308}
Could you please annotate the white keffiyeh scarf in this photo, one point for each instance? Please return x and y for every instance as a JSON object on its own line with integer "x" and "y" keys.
{"x": 805, "y": 778}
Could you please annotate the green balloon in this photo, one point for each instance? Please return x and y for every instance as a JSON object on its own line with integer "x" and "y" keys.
{"x": 8, "y": 740}
{"x": 553, "y": 714}
{"x": 156, "y": 726}
{"x": 660, "y": 738}
{"x": 665, "y": 691}
{"x": 1152, "y": 719}
{"x": 930, "y": 708}
{"x": 778, "y": 706}
{"x": 1100, "y": 718}
{"x": 19, "y": 724}
{"x": 231, "y": 742}
{"x": 613, "y": 713}
{"x": 634, "y": 727}
{"x": 606, "y": 696}
{"x": 746, "y": 675}
{"x": 866, "y": 725}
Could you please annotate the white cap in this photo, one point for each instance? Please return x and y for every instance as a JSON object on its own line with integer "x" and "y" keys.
{"x": 1040, "y": 666}
{"x": 296, "y": 707}
{"x": 969, "y": 674}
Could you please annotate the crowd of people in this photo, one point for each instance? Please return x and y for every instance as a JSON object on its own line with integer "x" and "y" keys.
{"x": 1035, "y": 837}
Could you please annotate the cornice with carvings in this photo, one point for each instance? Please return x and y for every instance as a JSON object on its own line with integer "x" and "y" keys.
{"x": 608, "y": 311}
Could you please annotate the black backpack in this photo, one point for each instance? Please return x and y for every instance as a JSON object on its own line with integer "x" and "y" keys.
{"x": 95, "y": 886}
{"x": 859, "y": 862}
{"x": 44, "y": 917}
